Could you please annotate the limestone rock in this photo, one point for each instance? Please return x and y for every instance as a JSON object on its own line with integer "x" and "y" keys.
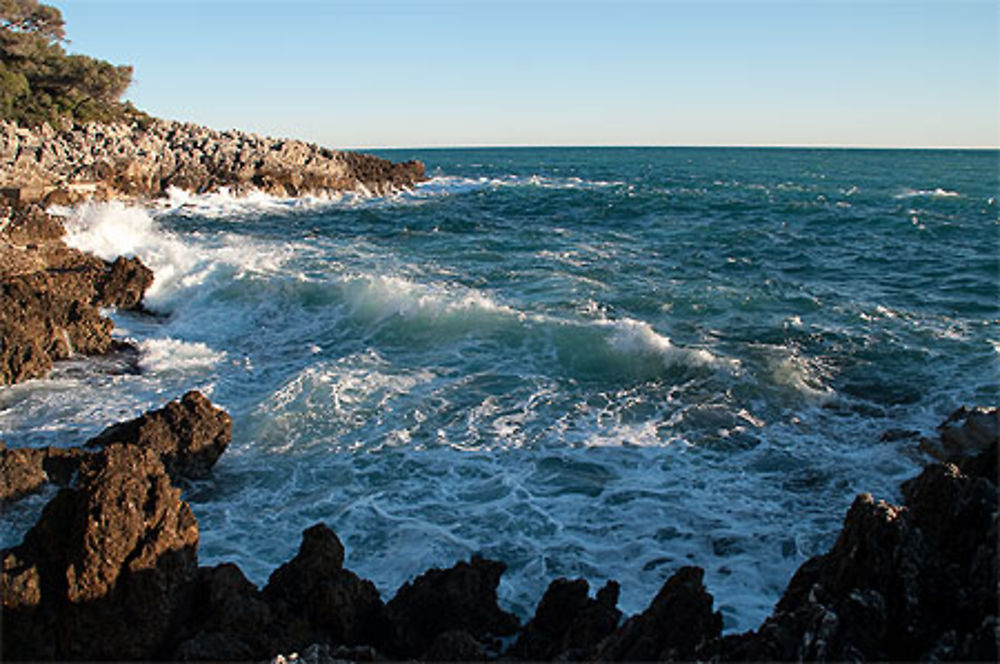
{"x": 97, "y": 160}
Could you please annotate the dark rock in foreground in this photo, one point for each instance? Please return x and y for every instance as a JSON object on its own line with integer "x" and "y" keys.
{"x": 50, "y": 295}
{"x": 460, "y": 599}
{"x": 567, "y": 622}
{"x": 910, "y": 582}
{"x": 99, "y": 576}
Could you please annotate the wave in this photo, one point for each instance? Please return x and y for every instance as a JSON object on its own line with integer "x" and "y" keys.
{"x": 405, "y": 309}
{"x": 381, "y": 297}
{"x": 223, "y": 204}
{"x": 179, "y": 263}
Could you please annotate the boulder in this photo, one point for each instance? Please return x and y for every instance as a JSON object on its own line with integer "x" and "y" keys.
{"x": 189, "y": 435}
{"x": 115, "y": 551}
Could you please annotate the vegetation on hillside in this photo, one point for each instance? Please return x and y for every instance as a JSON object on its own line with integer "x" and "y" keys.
{"x": 40, "y": 82}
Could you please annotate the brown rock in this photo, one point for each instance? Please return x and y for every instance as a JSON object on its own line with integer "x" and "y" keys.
{"x": 25, "y": 470}
{"x": 50, "y": 294}
{"x": 189, "y": 435}
{"x": 117, "y": 550}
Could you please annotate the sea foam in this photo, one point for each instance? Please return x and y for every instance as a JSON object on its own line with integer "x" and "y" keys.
{"x": 179, "y": 263}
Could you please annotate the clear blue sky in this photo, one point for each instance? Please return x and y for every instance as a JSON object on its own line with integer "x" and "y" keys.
{"x": 409, "y": 73}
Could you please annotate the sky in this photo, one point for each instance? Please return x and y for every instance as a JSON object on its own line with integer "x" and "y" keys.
{"x": 547, "y": 72}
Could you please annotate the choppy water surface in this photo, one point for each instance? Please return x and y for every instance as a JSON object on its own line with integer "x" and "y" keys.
{"x": 605, "y": 363}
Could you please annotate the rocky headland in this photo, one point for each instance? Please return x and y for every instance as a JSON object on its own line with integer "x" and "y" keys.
{"x": 51, "y": 294}
{"x": 117, "y": 546}
{"x": 74, "y": 161}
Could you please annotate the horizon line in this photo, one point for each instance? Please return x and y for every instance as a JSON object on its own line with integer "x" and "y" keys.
{"x": 774, "y": 146}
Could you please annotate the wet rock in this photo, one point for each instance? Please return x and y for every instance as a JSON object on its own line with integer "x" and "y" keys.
{"x": 568, "y": 623}
{"x": 461, "y": 598}
{"x": 315, "y": 599}
{"x": 189, "y": 435}
{"x": 677, "y": 623}
{"x": 115, "y": 551}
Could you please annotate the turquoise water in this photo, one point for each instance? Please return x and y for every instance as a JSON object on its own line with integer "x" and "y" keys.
{"x": 585, "y": 362}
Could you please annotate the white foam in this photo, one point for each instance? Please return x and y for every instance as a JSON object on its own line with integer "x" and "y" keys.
{"x": 223, "y": 204}
{"x": 937, "y": 192}
{"x": 634, "y": 337}
{"x": 113, "y": 229}
{"x": 162, "y": 355}
{"x": 385, "y": 296}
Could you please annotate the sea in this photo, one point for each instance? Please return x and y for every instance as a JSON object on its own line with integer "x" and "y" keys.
{"x": 604, "y": 363}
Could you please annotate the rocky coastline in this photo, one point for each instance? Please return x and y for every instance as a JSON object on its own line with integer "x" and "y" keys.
{"x": 74, "y": 161}
{"x": 117, "y": 546}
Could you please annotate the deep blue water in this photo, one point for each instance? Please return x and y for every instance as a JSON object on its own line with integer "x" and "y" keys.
{"x": 604, "y": 362}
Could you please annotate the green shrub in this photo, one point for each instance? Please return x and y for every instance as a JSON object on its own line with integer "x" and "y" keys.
{"x": 40, "y": 82}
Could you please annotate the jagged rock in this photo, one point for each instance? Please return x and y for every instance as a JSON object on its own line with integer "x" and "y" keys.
{"x": 189, "y": 435}
{"x": 114, "y": 552}
{"x": 461, "y": 598}
{"x": 567, "y": 623}
{"x": 911, "y": 582}
{"x": 50, "y": 294}
{"x": 25, "y": 470}
{"x": 677, "y": 623}
{"x": 316, "y": 600}
{"x": 124, "y": 284}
